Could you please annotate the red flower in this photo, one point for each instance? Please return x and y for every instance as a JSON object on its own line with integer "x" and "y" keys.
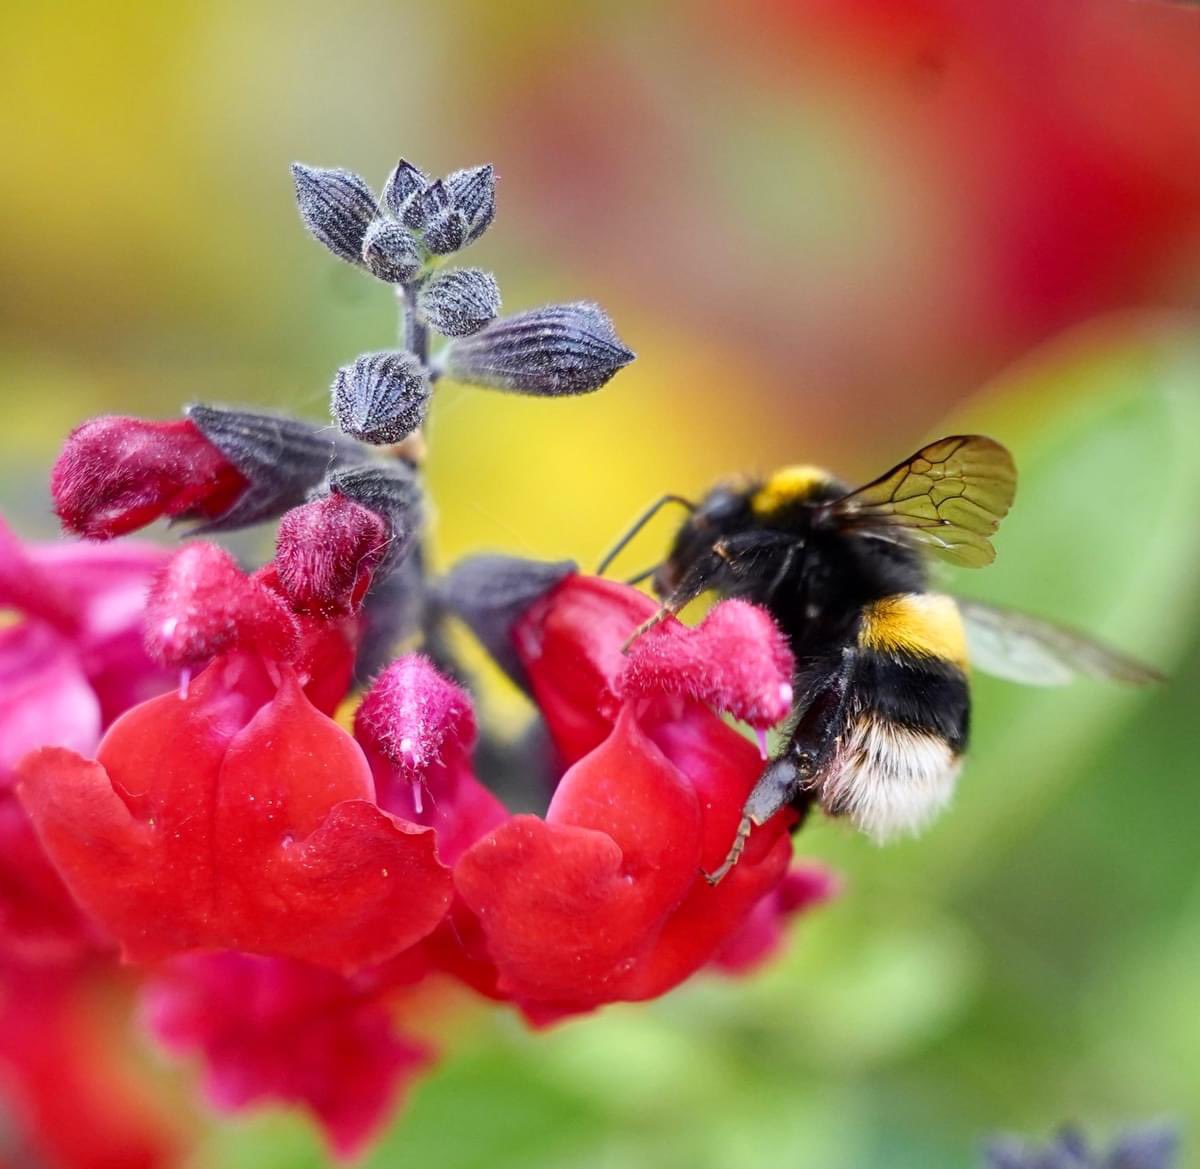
{"x": 272, "y": 1030}
{"x": 72, "y": 662}
{"x": 236, "y": 815}
{"x": 70, "y": 1098}
{"x": 605, "y": 898}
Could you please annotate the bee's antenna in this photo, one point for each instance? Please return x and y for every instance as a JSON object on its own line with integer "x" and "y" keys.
{"x": 643, "y": 575}
{"x": 639, "y": 524}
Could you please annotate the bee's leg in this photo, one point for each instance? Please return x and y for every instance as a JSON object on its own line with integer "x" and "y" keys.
{"x": 788, "y": 778}
{"x": 777, "y": 787}
{"x": 694, "y": 582}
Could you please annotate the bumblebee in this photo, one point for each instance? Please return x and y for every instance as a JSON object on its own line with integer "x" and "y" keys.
{"x": 881, "y": 712}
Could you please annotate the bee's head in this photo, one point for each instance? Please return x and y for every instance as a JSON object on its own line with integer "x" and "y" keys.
{"x": 724, "y": 511}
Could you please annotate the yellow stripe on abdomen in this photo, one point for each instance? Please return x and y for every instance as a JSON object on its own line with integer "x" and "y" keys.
{"x": 925, "y": 624}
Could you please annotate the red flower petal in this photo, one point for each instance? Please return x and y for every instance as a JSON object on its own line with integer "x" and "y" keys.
{"x": 72, "y": 1098}
{"x": 192, "y": 832}
{"x": 569, "y": 903}
{"x": 40, "y": 924}
{"x": 735, "y": 660}
{"x": 570, "y": 645}
{"x": 269, "y": 1029}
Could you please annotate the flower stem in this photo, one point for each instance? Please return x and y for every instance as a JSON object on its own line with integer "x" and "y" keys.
{"x": 413, "y": 333}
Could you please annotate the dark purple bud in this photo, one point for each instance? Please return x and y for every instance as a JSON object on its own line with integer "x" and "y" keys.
{"x": 459, "y": 301}
{"x": 445, "y": 233}
{"x": 553, "y": 351}
{"x": 390, "y": 252}
{"x": 282, "y": 459}
{"x": 490, "y": 593}
{"x": 404, "y": 182}
{"x": 425, "y": 206}
{"x": 336, "y": 206}
{"x": 381, "y": 398}
{"x": 473, "y": 192}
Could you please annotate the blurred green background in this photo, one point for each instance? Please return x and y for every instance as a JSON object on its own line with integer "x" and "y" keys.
{"x": 830, "y": 230}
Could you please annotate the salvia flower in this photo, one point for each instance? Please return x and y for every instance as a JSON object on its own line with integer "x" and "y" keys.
{"x": 604, "y": 899}
{"x": 234, "y": 814}
{"x": 266, "y": 787}
{"x": 271, "y": 1030}
{"x": 223, "y": 468}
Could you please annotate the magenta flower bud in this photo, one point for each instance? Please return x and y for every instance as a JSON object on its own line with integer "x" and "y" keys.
{"x": 118, "y": 474}
{"x": 201, "y": 604}
{"x": 415, "y": 717}
{"x": 327, "y": 552}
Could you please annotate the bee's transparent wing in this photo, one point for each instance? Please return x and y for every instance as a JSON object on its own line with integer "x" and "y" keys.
{"x": 950, "y": 496}
{"x": 1021, "y": 648}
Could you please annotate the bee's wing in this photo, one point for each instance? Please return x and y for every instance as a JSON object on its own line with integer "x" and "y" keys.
{"x": 950, "y": 496}
{"x": 1021, "y": 648}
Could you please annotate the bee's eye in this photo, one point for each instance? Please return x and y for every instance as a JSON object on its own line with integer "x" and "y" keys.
{"x": 721, "y": 507}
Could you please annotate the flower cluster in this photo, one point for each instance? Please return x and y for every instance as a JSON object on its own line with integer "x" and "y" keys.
{"x": 230, "y": 777}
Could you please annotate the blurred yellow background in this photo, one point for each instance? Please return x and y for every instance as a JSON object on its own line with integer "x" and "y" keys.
{"x": 830, "y": 230}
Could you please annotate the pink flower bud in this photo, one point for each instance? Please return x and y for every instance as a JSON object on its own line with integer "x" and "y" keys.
{"x": 414, "y": 716}
{"x": 202, "y": 604}
{"x": 117, "y": 474}
{"x": 327, "y": 552}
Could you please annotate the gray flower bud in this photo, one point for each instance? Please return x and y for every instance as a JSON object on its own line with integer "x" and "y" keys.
{"x": 459, "y": 301}
{"x": 473, "y": 192}
{"x": 445, "y": 233}
{"x": 552, "y": 351}
{"x": 390, "y": 252}
{"x": 393, "y": 492}
{"x": 425, "y": 206}
{"x": 381, "y": 398}
{"x": 404, "y": 182}
{"x": 282, "y": 459}
{"x": 336, "y": 206}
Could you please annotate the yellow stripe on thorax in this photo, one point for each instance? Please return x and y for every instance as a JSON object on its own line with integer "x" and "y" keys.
{"x": 927, "y": 624}
{"x": 788, "y": 486}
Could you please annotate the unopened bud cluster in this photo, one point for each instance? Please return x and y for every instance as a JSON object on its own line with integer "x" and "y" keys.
{"x": 351, "y": 516}
{"x": 403, "y": 238}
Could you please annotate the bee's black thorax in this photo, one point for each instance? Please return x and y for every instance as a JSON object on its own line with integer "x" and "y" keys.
{"x": 787, "y": 554}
